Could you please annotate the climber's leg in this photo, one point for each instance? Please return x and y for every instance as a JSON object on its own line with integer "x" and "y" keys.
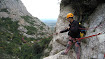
{"x": 68, "y": 48}
{"x": 70, "y": 42}
{"x": 77, "y": 49}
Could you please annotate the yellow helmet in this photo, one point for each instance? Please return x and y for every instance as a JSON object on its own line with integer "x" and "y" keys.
{"x": 69, "y": 15}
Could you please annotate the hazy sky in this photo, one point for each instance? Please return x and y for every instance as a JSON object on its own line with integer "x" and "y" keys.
{"x": 43, "y": 9}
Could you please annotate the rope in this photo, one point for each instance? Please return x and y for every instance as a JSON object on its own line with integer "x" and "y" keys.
{"x": 88, "y": 28}
{"x": 24, "y": 41}
{"x": 92, "y": 28}
{"x": 76, "y": 38}
{"x": 89, "y": 36}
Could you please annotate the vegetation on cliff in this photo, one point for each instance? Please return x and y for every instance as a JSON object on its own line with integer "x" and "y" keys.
{"x": 12, "y": 46}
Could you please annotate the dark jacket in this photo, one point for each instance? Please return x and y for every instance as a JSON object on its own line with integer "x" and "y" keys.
{"x": 73, "y": 30}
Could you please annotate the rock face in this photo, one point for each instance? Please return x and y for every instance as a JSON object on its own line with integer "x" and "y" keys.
{"x": 90, "y": 15}
{"x": 95, "y": 48}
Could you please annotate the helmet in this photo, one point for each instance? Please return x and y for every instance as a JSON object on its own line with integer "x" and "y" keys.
{"x": 69, "y": 15}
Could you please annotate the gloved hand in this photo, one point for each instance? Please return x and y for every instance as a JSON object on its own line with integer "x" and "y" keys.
{"x": 57, "y": 33}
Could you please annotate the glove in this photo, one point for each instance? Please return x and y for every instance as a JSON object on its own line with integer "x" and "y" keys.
{"x": 57, "y": 33}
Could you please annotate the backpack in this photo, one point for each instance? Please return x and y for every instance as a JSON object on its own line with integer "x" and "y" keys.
{"x": 82, "y": 30}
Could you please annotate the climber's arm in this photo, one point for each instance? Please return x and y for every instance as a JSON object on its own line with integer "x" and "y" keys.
{"x": 65, "y": 30}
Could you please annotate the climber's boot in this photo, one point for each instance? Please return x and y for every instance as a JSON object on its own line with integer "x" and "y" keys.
{"x": 63, "y": 53}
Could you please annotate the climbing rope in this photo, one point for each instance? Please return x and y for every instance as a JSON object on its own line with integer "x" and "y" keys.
{"x": 93, "y": 27}
{"x": 24, "y": 41}
{"x": 76, "y": 38}
{"x": 89, "y": 36}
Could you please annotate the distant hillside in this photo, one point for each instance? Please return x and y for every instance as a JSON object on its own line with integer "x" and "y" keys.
{"x": 50, "y": 23}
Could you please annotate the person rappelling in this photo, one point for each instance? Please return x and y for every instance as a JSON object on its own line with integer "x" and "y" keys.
{"x": 73, "y": 33}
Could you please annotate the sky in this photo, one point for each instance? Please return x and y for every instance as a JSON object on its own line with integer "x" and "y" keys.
{"x": 43, "y": 9}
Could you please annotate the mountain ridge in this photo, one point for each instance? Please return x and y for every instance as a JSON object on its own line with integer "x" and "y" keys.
{"x": 22, "y": 36}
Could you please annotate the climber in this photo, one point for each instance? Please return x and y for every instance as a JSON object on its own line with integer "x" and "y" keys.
{"x": 73, "y": 34}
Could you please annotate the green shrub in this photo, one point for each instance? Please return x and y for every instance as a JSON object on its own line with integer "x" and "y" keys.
{"x": 31, "y": 30}
{"x": 4, "y": 10}
{"x": 9, "y": 30}
{"x": 41, "y": 28}
{"x": 43, "y": 24}
{"x": 28, "y": 19}
{"x": 10, "y": 41}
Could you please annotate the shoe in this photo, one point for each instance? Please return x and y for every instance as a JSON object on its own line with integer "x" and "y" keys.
{"x": 63, "y": 53}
